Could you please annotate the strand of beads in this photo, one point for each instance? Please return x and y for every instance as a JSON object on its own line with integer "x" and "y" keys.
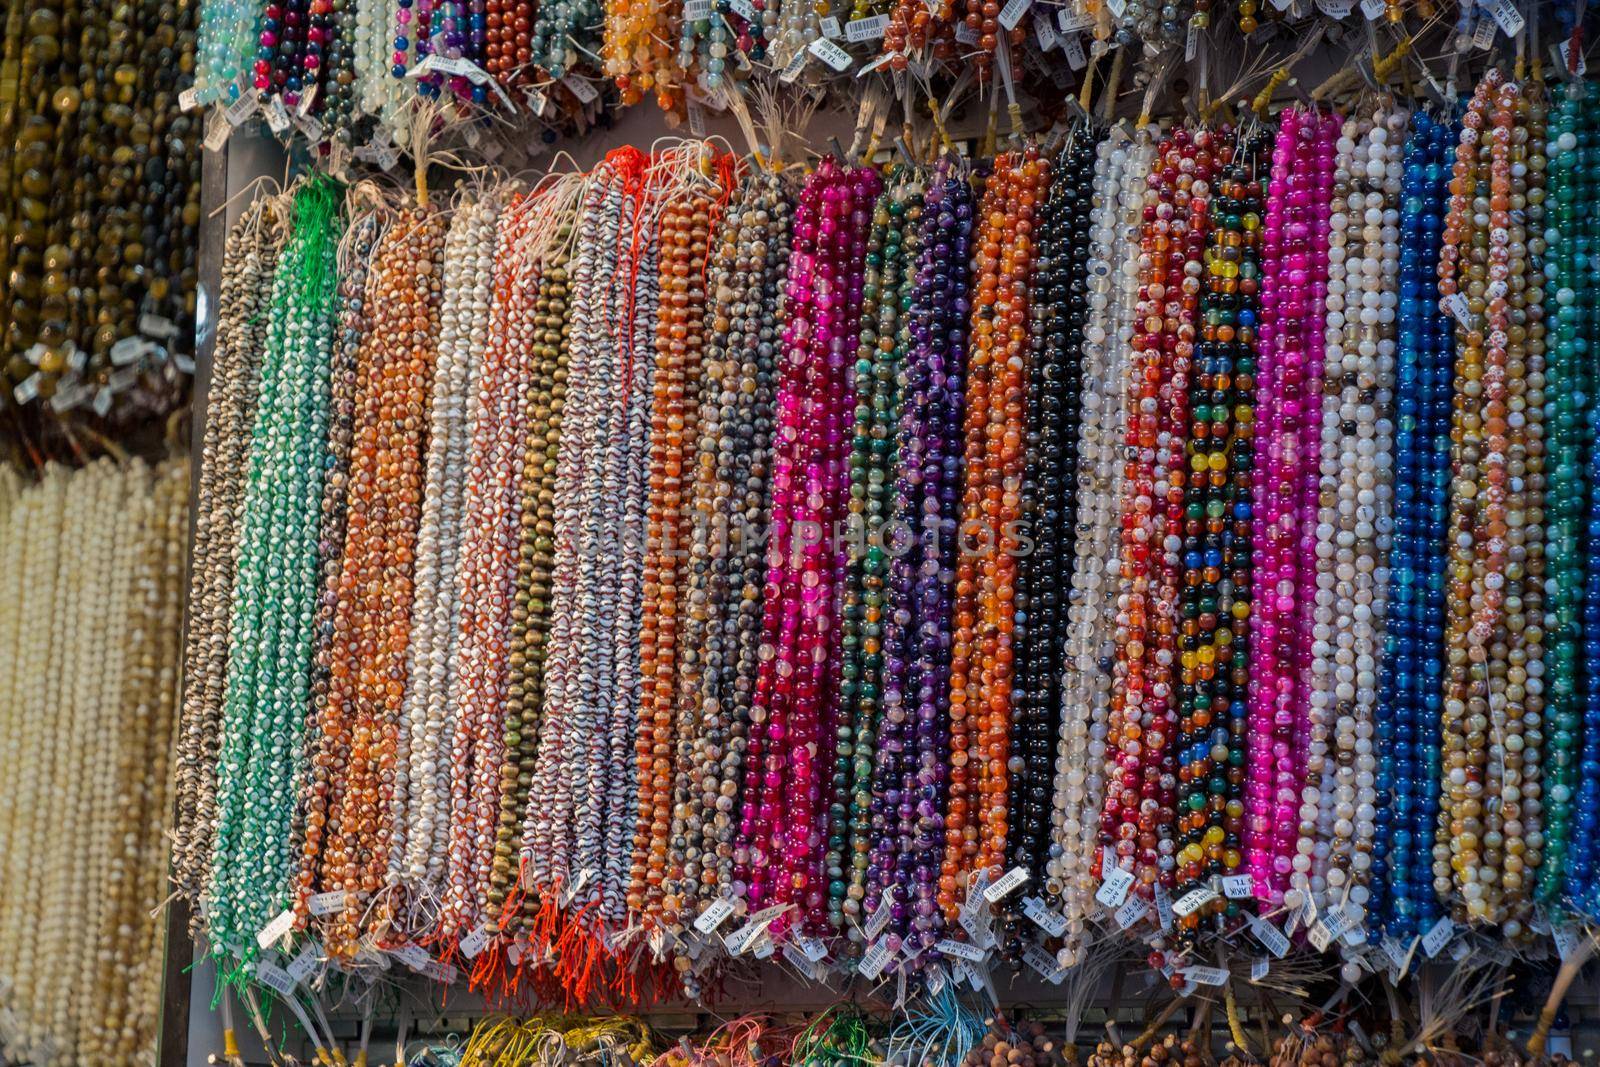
{"x": 982, "y": 664}
{"x": 1215, "y": 625}
{"x": 1522, "y": 671}
{"x": 911, "y": 776}
{"x": 1294, "y": 280}
{"x": 274, "y": 590}
{"x": 1085, "y": 762}
{"x": 463, "y": 313}
{"x": 1475, "y": 603}
{"x": 1568, "y": 185}
{"x": 1409, "y": 693}
{"x": 743, "y": 329}
{"x": 1049, "y": 516}
{"x": 231, "y": 403}
{"x": 665, "y": 722}
{"x": 822, "y": 305}
{"x": 1137, "y": 825}
{"x": 327, "y": 750}
{"x": 1573, "y": 223}
{"x": 858, "y": 716}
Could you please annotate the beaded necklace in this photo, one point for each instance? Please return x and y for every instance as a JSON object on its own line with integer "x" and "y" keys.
{"x": 249, "y": 260}
{"x": 1058, "y": 307}
{"x": 1570, "y": 223}
{"x": 274, "y": 589}
{"x": 1409, "y": 693}
{"x": 1215, "y": 609}
{"x": 981, "y": 671}
{"x": 729, "y": 523}
{"x": 890, "y": 257}
{"x": 1120, "y": 176}
{"x": 1294, "y": 280}
{"x": 1353, "y": 509}
{"x": 909, "y": 778}
{"x": 1137, "y": 827}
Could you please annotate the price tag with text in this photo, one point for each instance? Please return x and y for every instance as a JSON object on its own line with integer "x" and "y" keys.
{"x": 872, "y": 28}
{"x": 1131, "y": 911}
{"x": 271, "y": 933}
{"x": 714, "y": 916}
{"x": 1114, "y": 889}
{"x": 1009, "y": 883}
{"x": 1438, "y": 936}
{"x": 830, "y": 53}
{"x": 1044, "y": 917}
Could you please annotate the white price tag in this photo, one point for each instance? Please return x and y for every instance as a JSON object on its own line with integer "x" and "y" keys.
{"x": 812, "y": 947}
{"x": 102, "y": 398}
{"x": 537, "y": 101}
{"x": 580, "y": 87}
{"x": 696, "y": 10}
{"x": 241, "y": 110}
{"x": 125, "y": 351}
{"x": 413, "y": 956}
{"x": 1259, "y": 968}
{"x": 935, "y": 980}
{"x": 966, "y": 34}
{"x": 1114, "y": 889}
{"x": 867, "y": 29}
{"x": 830, "y": 53}
{"x": 1571, "y": 58}
{"x": 744, "y": 9}
{"x": 792, "y": 69}
{"x": 742, "y": 938}
{"x": 311, "y": 128}
{"x": 157, "y": 326}
{"x": 1163, "y": 906}
{"x": 301, "y": 967}
{"x": 1270, "y": 936}
{"x": 1336, "y": 9}
{"x": 1072, "y": 47}
{"x": 1460, "y": 949}
{"x": 277, "y": 116}
{"x": 975, "y": 921}
{"x": 1044, "y": 31}
{"x": 218, "y": 130}
{"x": 959, "y": 950}
{"x": 1437, "y": 937}
{"x": 1329, "y": 928}
{"x": 1069, "y": 21}
{"x": 443, "y": 973}
{"x": 1238, "y": 886}
{"x": 326, "y": 903}
{"x": 1399, "y": 955}
{"x": 1483, "y": 36}
{"x": 1134, "y": 909}
{"x": 1373, "y": 9}
{"x": 1193, "y": 901}
{"x": 1191, "y": 41}
{"x": 307, "y": 98}
{"x": 874, "y": 960}
{"x": 1117, "y": 7}
{"x": 1507, "y": 17}
{"x": 714, "y": 916}
{"x": 189, "y": 99}
{"x": 273, "y": 932}
{"x": 878, "y": 922}
{"x": 1206, "y": 975}
{"x": 1044, "y": 917}
{"x": 830, "y": 28}
{"x": 764, "y": 947}
{"x": 799, "y": 962}
{"x": 1455, "y": 305}
{"x": 473, "y": 944}
{"x": 1012, "y": 13}
{"x": 1567, "y": 940}
{"x": 1044, "y": 962}
{"x": 1009, "y": 883}
{"x": 275, "y": 978}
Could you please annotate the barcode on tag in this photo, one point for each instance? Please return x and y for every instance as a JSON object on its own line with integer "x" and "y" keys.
{"x": 796, "y": 64}
{"x": 830, "y": 53}
{"x": 1271, "y": 938}
{"x": 830, "y": 28}
{"x": 1483, "y": 36}
{"x": 272, "y": 932}
{"x": 1373, "y": 9}
{"x": 1163, "y": 906}
{"x": 1012, "y": 13}
{"x": 1114, "y": 889}
{"x": 1009, "y": 883}
{"x": 874, "y": 960}
{"x": 277, "y": 115}
{"x": 1206, "y": 975}
{"x": 218, "y": 130}
{"x": 867, "y": 29}
{"x": 879, "y": 920}
{"x": 696, "y": 10}
{"x": 1044, "y": 962}
{"x": 274, "y": 978}
{"x": 1259, "y": 968}
{"x": 239, "y": 112}
{"x": 1044, "y": 917}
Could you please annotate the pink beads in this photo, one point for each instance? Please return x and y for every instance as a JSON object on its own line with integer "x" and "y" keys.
{"x": 1294, "y": 287}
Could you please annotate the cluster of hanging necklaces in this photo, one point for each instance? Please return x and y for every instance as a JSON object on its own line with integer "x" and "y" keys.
{"x": 1167, "y": 532}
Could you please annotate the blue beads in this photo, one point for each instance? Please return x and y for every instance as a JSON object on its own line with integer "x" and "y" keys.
{"x": 1409, "y": 694}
